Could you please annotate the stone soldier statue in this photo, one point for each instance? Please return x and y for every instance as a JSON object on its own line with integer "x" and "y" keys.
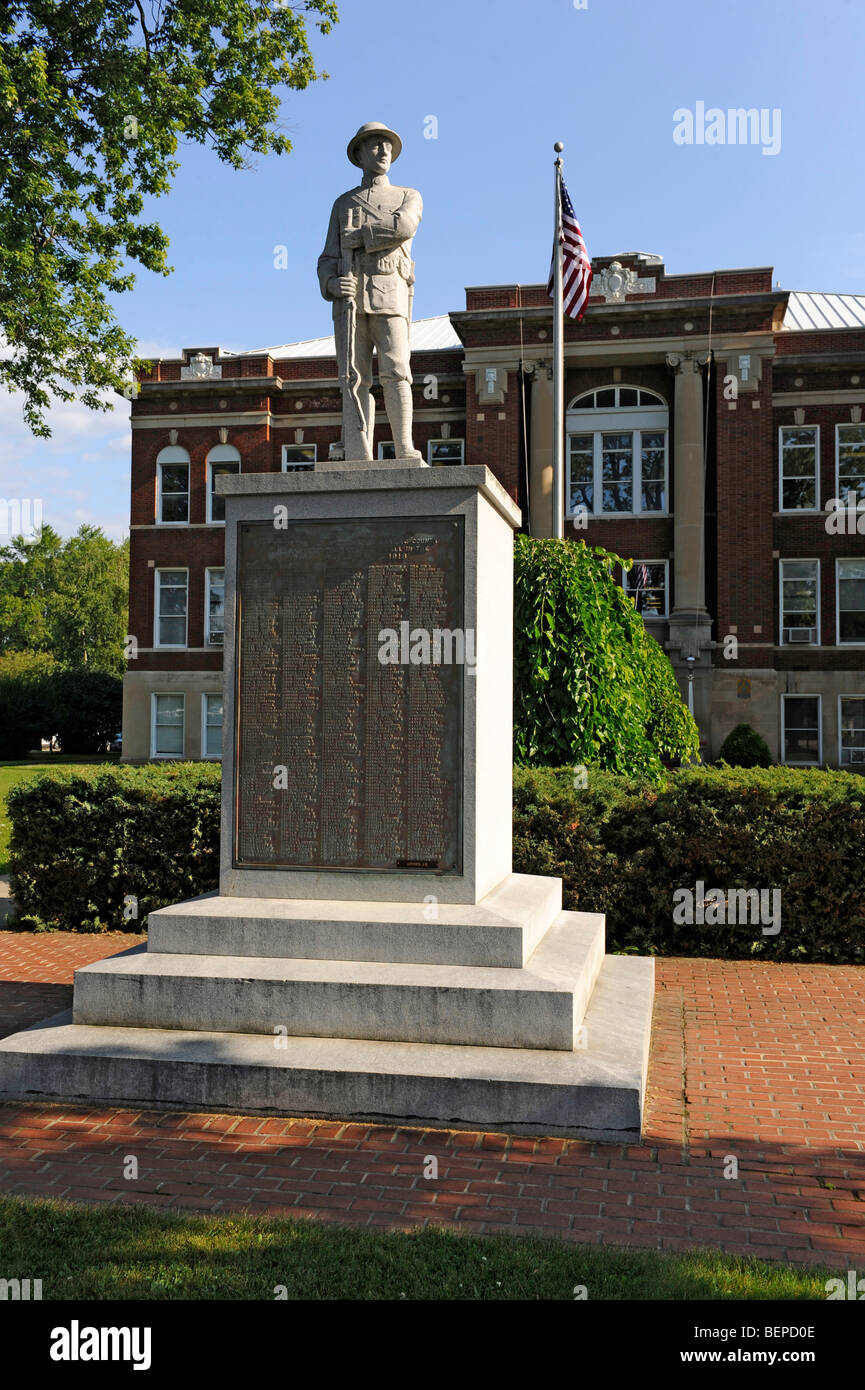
{"x": 366, "y": 270}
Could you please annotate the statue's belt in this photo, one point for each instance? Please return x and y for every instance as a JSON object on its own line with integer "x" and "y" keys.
{"x": 385, "y": 263}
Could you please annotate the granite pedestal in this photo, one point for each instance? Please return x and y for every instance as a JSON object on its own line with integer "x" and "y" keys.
{"x": 369, "y": 953}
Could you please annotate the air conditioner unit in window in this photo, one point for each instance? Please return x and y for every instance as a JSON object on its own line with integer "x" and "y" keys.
{"x": 216, "y": 639}
{"x": 857, "y": 755}
{"x": 800, "y": 634}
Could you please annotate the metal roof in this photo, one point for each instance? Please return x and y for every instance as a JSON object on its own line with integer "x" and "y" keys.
{"x": 805, "y": 312}
{"x": 815, "y": 311}
{"x": 427, "y": 335}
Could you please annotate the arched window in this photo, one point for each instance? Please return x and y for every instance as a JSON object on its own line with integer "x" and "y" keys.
{"x": 172, "y": 486}
{"x": 223, "y": 458}
{"x": 617, "y": 452}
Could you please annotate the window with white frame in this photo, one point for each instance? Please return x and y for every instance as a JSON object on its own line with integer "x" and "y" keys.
{"x": 444, "y": 451}
{"x": 172, "y": 590}
{"x": 168, "y": 726}
{"x": 851, "y": 732}
{"x": 172, "y": 486}
{"x": 850, "y": 475}
{"x": 800, "y": 602}
{"x": 211, "y": 726}
{"x": 617, "y": 452}
{"x": 387, "y": 449}
{"x": 214, "y": 608}
{"x": 222, "y": 459}
{"x": 646, "y": 584}
{"x": 800, "y": 730}
{"x": 850, "y": 586}
{"x": 799, "y": 453}
{"x": 299, "y": 458}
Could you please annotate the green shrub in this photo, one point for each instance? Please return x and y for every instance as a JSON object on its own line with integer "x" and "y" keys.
{"x": 26, "y": 703}
{"x": 744, "y": 747}
{"x": 622, "y": 846}
{"x": 88, "y": 707}
{"x": 87, "y": 845}
{"x": 84, "y": 843}
{"x": 590, "y": 685}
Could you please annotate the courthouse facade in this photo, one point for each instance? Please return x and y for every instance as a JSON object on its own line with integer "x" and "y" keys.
{"x": 714, "y": 435}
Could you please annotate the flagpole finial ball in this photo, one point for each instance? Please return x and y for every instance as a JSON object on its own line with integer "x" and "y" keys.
{"x": 558, "y": 147}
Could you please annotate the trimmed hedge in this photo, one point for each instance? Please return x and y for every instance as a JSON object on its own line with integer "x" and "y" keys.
{"x": 744, "y": 747}
{"x": 85, "y": 843}
{"x": 622, "y": 847}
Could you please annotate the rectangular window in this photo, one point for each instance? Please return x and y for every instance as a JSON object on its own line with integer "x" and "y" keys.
{"x": 445, "y": 451}
{"x": 799, "y": 451}
{"x": 626, "y": 470}
{"x": 653, "y": 471}
{"x": 168, "y": 725}
{"x": 386, "y": 449}
{"x": 171, "y": 607}
{"x": 851, "y": 726}
{"x": 211, "y": 726}
{"x": 800, "y": 725}
{"x": 173, "y": 509}
{"x": 646, "y": 584}
{"x": 800, "y": 591}
{"x": 617, "y": 472}
{"x": 851, "y": 601}
{"x": 214, "y": 614}
{"x": 298, "y": 458}
{"x": 215, "y": 503}
{"x": 851, "y": 463}
{"x": 581, "y": 473}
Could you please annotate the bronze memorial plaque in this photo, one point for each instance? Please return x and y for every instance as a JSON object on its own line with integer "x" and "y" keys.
{"x": 350, "y": 662}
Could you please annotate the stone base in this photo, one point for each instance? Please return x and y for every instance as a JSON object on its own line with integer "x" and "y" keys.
{"x": 501, "y": 930}
{"x": 540, "y": 1005}
{"x": 593, "y": 1093}
{"x": 368, "y": 465}
{"x": 504, "y": 1015}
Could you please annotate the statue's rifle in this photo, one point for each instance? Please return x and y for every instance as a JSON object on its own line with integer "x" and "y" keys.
{"x": 347, "y": 267}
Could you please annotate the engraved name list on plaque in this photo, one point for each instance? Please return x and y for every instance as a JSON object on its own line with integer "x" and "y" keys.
{"x": 348, "y": 731}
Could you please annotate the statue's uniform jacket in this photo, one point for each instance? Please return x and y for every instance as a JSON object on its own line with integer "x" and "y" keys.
{"x": 383, "y": 265}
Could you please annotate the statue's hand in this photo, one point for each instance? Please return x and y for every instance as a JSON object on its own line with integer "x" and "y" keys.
{"x": 342, "y": 286}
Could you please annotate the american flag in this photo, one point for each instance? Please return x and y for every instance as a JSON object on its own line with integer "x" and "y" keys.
{"x": 639, "y": 585}
{"x": 576, "y": 263}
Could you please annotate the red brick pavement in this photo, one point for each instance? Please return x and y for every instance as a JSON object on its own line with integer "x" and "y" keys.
{"x": 759, "y": 1063}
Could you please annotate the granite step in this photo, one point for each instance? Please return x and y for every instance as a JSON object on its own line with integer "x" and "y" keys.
{"x": 538, "y": 1005}
{"x": 503, "y": 929}
{"x": 594, "y": 1093}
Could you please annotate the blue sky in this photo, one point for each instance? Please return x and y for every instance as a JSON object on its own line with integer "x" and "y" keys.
{"x": 504, "y": 80}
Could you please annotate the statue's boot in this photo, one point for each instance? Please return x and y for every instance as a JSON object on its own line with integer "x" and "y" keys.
{"x": 398, "y": 403}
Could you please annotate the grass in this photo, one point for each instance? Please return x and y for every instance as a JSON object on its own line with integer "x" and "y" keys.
{"x": 136, "y": 1252}
{"x": 12, "y": 773}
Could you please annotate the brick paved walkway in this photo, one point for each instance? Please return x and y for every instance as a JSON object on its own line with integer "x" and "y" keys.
{"x": 764, "y": 1063}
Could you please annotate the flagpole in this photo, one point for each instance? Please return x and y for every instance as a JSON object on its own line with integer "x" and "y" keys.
{"x": 558, "y": 364}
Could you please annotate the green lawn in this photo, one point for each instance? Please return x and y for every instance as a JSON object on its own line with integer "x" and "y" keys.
{"x": 139, "y": 1253}
{"x": 12, "y": 773}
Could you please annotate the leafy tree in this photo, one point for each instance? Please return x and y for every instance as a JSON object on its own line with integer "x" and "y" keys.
{"x": 67, "y": 598}
{"x": 26, "y": 702}
{"x": 590, "y": 685}
{"x": 95, "y": 98}
{"x": 88, "y": 610}
{"x": 87, "y": 709}
{"x": 28, "y": 578}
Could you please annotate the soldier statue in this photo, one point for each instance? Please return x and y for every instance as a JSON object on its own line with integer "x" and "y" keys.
{"x": 367, "y": 272}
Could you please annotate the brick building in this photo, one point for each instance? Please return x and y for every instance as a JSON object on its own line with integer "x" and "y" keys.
{"x": 712, "y": 421}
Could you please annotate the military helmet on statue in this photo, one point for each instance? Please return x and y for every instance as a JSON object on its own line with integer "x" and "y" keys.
{"x": 373, "y": 128}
